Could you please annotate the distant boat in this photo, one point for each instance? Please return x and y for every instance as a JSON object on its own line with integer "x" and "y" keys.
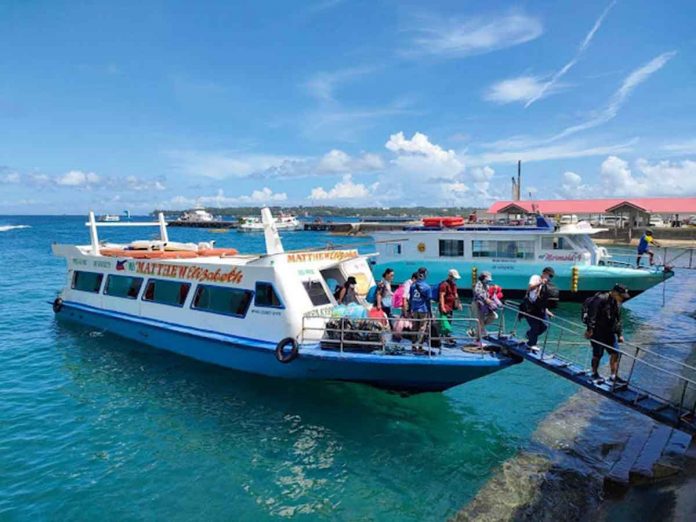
{"x": 197, "y": 215}
{"x": 283, "y": 222}
{"x": 109, "y": 218}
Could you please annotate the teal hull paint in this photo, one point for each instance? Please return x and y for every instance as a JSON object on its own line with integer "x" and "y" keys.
{"x": 515, "y": 276}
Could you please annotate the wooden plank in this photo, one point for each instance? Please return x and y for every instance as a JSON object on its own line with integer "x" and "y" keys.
{"x": 651, "y": 452}
{"x": 619, "y": 474}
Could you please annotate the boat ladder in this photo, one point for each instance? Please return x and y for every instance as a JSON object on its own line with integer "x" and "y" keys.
{"x": 655, "y": 385}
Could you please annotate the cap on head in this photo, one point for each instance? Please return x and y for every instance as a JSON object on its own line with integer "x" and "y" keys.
{"x": 549, "y": 270}
{"x": 648, "y": 232}
{"x": 351, "y": 281}
{"x": 422, "y": 272}
{"x": 621, "y": 290}
{"x": 485, "y": 275}
{"x": 454, "y": 273}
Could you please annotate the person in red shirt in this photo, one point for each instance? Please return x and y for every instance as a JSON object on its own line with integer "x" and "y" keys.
{"x": 448, "y": 302}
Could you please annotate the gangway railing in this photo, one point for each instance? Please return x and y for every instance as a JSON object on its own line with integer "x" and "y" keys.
{"x": 677, "y": 410}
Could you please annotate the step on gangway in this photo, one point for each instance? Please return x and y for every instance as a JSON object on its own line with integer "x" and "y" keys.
{"x": 678, "y": 411}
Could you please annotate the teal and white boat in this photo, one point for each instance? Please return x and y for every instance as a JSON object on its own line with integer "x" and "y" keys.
{"x": 512, "y": 254}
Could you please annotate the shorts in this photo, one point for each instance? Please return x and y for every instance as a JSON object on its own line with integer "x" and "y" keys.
{"x": 598, "y": 349}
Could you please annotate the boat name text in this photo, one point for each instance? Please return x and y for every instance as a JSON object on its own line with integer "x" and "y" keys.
{"x": 329, "y": 255}
{"x": 189, "y": 272}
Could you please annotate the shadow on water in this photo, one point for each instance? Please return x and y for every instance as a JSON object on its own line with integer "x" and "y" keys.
{"x": 280, "y": 443}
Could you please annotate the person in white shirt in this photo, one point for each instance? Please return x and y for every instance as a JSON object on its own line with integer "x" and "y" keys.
{"x": 407, "y": 293}
{"x": 536, "y": 306}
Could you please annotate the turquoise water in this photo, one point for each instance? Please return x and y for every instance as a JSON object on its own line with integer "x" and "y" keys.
{"x": 92, "y": 425}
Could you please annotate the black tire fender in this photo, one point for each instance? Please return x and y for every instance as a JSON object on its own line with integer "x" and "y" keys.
{"x": 57, "y": 304}
{"x": 286, "y": 357}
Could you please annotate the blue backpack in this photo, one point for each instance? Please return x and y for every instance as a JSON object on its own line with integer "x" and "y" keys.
{"x": 372, "y": 295}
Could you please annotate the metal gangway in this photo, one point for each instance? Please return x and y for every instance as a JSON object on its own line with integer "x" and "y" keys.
{"x": 677, "y": 410}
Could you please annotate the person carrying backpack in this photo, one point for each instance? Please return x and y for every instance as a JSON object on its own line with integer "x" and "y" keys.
{"x": 384, "y": 294}
{"x": 602, "y": 315}
{"x": 536, "y": 306}
{"x": 419, "y": 307}
{"x": 448, "y": 301}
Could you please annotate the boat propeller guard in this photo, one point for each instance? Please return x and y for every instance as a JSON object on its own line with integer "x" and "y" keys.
{"x": 282, "y": 355}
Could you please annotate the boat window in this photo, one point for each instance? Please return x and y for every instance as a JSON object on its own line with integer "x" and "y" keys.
{"x": 166, "y": 292}
{"x": 556, "y": 243}
{"x": 266, "y": 296}
{"x": 503, "y": 249}
{"x": 123, "y": 286}
{"x": 87, "y": 281}
{"x": 317, "y": 294}
{"x": 222, "y": 300}
{"x": 333, "y": 277}
{"x": 451, "y": 248}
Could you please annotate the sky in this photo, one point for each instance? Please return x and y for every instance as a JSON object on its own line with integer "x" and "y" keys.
{"x": 140, "y": 105}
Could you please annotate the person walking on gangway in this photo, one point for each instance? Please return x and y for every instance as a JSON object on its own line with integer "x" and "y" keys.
{"x": 602, "y": 315}
{"x": 535, "y": 306}
{"x": 646, "y": 241}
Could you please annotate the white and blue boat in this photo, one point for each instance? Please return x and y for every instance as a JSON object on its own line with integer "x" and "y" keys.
{"x": 268, "y": 314}
{"x": 512, "y": 254}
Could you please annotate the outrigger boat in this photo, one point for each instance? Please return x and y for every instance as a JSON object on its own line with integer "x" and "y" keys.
{"x": 512, "y": 254}
{"x": 269, "y": 314}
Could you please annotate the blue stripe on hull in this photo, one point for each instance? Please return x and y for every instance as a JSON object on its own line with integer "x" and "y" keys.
{"x": 407, "y": 373}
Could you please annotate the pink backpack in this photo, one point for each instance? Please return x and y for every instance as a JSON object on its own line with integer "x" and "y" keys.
{"x": 398, "y": 297}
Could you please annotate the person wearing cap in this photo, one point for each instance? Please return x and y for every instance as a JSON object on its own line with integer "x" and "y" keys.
{"x": 646, "y": 241}
{"x": 604, "y": 329}
{"x": 482, "y": 306}
{"x": 347, "y": 294}
{"x": 419, "y": 307}
{"x": 448, "y": 301}
{"x": 536, "y": 308}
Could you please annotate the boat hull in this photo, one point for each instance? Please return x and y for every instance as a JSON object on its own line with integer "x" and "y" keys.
{"x": 514, "y": 277}
{"x": 405, "y": 373}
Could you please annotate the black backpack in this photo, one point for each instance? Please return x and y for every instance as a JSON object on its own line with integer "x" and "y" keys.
{"x": 587, "y": 305}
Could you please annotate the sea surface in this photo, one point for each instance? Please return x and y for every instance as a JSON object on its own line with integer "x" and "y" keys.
{"x": 96, "y": 427}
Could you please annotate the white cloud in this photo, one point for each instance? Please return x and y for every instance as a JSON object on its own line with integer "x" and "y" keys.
{"x": 632, "y": 81}
{"x": 552, "y": 83}
{"x": 338, "y": 162}
{"x": 572, "y": 187}
{"x": 323, "y": 85}
{"x": 421, "y": 157}
{"x": 10, "y": 178}
{"x": 344, "y": 189}
{"x": 681, "y": 147}
{"x": 77, "y": 178}
{"x": 546, "y": 153}
{"x": 520, "y": 89}
{"x": 258, "y": 197}
{"x": 224, "y": 164}
{"x": 664, "y": 178}
{"x": 457, "y": 38}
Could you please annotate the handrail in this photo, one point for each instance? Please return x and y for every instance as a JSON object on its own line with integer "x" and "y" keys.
{"x": 623, "y": 353}
{"x": 625, "y": 343}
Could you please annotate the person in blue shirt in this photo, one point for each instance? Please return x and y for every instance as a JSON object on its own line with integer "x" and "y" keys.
{"x": 419, "y": 307}
{"x": 646, "y": 241}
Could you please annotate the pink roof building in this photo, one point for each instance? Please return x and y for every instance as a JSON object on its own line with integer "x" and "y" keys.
{"x": 597, "y": 206}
